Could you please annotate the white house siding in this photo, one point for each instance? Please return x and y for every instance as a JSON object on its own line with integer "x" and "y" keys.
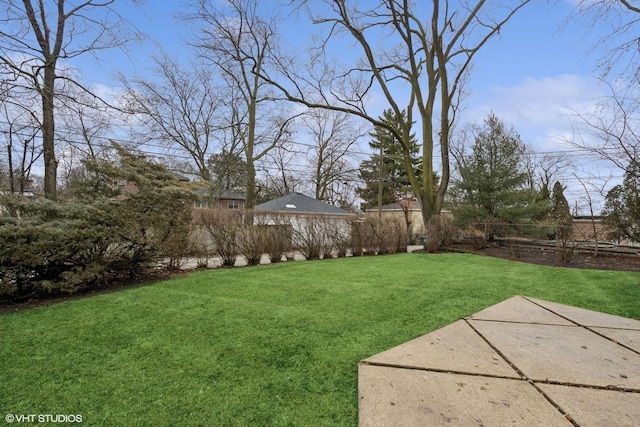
{"x": 326, "y": 228}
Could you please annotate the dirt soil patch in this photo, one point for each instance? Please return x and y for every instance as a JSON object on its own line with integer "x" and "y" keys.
{"x": 546, "y": 255}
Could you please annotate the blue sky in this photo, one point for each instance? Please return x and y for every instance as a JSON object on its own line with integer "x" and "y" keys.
{"x": 534, "y": 70}
{"x": 534, "y": 77}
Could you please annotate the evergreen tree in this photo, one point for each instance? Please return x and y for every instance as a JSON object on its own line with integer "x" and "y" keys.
{"x": 228, "y": 171}
{"x": 103, "y": 235}
{"x": 560, "y": 213}
{"x": 622, "y": 206}
{"x": 542, "y": 203}
{"x": 492, "y": 183}
{"x": 148, "y": 207}
{"x": 386, "y": 167}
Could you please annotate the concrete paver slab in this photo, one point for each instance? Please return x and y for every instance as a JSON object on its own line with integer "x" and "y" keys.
{"x": 402, "y": 397}
{"x": 592, "y": 407}
{"x": 586, "y": 317}
{"x": 626, "y": 337}
{"x": 519, "y": 309}
{"x": 572, "y": 361}
{"x": 564, "y": 354}
{"x": 455, "y": 347}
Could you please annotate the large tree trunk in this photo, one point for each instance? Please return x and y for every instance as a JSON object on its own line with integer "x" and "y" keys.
{"x": 251, "y": 185}
{"x": 48, "y": 134}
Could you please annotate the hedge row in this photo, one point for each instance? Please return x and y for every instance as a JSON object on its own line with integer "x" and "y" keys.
{"x": 229, "y": 235}
{"x": 63, "y": 247}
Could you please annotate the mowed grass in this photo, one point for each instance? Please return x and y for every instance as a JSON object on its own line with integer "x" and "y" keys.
{"x": 273, "y": 345}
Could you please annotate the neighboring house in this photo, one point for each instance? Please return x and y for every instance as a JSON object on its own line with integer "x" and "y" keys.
{"x": 305, "y": 215}
{"x": 406, "y": 211}
{"x": 409, "y": 212}
{"x": 298, "y": 204}
{"x": 211, "y": 211}
{"x": 226, "y": 201}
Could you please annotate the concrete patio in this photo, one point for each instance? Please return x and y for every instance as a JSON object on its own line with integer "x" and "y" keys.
{"x": 522, "y": 362}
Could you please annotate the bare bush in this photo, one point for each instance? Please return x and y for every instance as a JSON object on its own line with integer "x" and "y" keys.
{"x": 374, "y": 239}
{"x": 252, "y": 243}
{"x": 199, "y": 247}
{"x": 277, "y": 234}
{"x": 223, "y": 229}
{"x": 564, "y": 245}
{"x": 310, "y": 237}
{"x": 341, "y": 246}
{"x": 338, "y": 238}
{"x": 401, "y": 236}
{"x": 357, "y": 241}
{"x": 373, "y": 236}
{"x": 278, "y": 241}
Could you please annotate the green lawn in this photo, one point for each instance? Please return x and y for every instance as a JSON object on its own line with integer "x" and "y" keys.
{"x": 269, "y": 346}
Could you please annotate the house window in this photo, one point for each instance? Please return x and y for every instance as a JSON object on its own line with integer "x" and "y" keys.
{"x": 233, "y": 204}
{"x": 202, "y": 203}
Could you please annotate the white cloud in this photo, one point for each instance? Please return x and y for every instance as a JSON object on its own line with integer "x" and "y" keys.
{"x": 541, "y": 110}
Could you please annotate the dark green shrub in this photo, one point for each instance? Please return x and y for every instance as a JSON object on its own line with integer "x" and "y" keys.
{"x": 53, "y": 247}
{"x": 49, "y": 246}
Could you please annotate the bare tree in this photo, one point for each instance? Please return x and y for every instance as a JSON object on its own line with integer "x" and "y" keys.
{"x": 620, "y": 21}
{"x": 545, "y": 168}
{"x": 19, "y": 126}
{"x": 238, "y": 39}
{"x": 551, "y": 167}
{"x": 35, "y": 35}
{"x": 422, "y": 63}
{"x": 182, "y": 108}
{"x": 85, "y": 127}
{"x": 82, "y": 130}
{"x": 611, "y": 132}
{"x": 334, "y": 137}
{"x": 589, "y": 188}
{"x": 281, "y": 174}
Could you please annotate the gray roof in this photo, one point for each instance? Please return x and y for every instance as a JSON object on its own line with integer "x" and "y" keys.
{"x": 299, "y": 203}
{"x": 230, "y": 194}
{"x": 226, "y": 194}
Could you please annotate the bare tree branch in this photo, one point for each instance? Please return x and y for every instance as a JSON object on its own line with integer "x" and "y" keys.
{"x": 35, "y": 35}
{"x": 418, "y": 65}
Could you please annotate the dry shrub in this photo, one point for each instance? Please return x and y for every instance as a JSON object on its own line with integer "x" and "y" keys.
{"x": 252, "y": 243}
{"x": 311, "y": 238}
{"x": 222, "y": 228}
{"x": 564, "y": 248}
{"x": 277, "y": 234}
{"x": 357, "y": 242}
{"x": 278, "y": 241}
{"x": 338, "y": 238}
{"x": 374, "y": 236}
